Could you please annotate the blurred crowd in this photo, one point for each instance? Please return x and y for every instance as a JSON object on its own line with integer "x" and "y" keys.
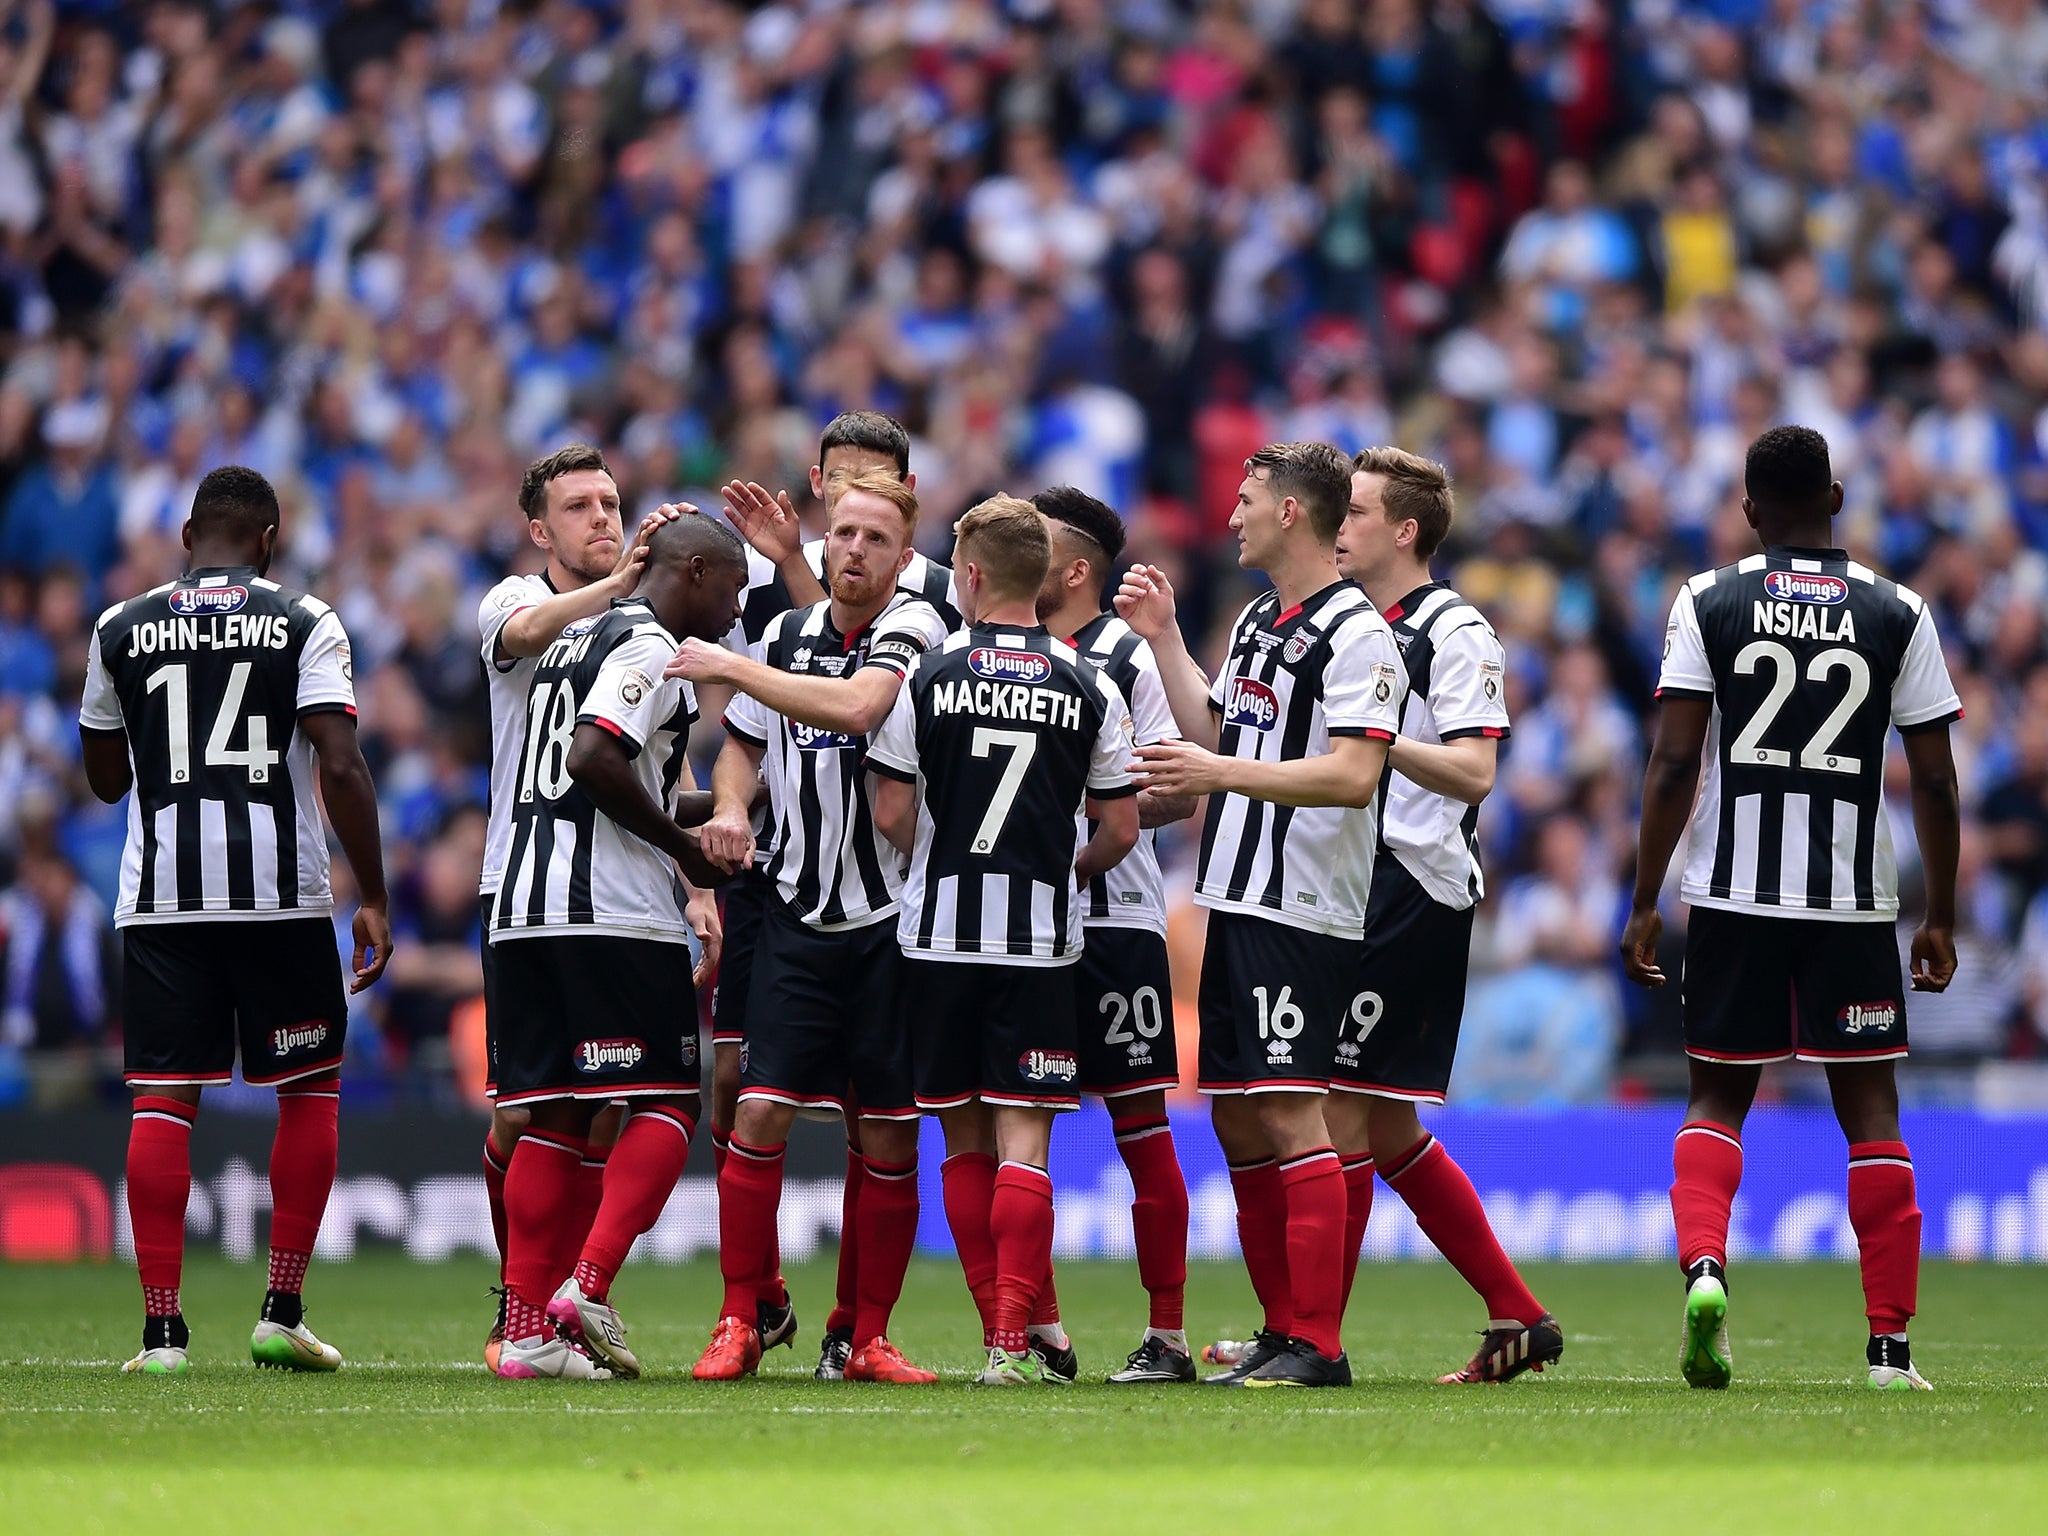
{"x": 1580, "y": 250}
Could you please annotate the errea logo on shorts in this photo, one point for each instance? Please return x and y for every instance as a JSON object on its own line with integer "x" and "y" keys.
{"x": 297, "y": 1037}
{"x": 1250, "y": 702}
{"x": 1049, "y": 1066}
{"x": 1806, "y": 587}
{"x": 608, "y": 1055}
{"x": 1009, "y": 666}
{"x": 1867, "y": 1018}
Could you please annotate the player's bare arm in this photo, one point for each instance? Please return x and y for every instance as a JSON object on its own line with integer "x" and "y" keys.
{"x": 893, "y": 804}
{"x": 694, "y": 807}
{"x": 1348, "y": 774}
{"x": 769, "y": 522}
{"x": 1145, "y": 602}
{"x": 1463, "y": 768}
{"x": 853, "y": 706}
{"x": 1937, "y": 822}
{"x": 599, "y": 765}
{"x": 728, "y": 837}
{"x": 351, "y": 800}
{"x": 532, "y": 630}
{"x": 1157, "y": 810}
{"x": 108, "y": 771}
{"x": 1116, "y": 834}
{"x": 1669, "y": 785}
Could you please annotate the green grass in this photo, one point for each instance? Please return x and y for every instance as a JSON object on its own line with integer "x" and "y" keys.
{"x": 412, "y": 1436}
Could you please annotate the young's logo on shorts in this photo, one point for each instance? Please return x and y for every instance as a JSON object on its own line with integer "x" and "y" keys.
{"x": 1866, "y": 1018}
{"x": 297, "y": 1037}
{"x": 608, "y": 1055}
{"x": 1806, "y": 587}
{"x": 1009, "y": 666}
{"x": 188, "y": 602}
{"x": 1250, "y": 702}
{"x": 1049, "y": 1066}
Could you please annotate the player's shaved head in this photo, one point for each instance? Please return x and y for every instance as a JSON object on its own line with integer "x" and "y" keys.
{"x": 675, "y": 543}
{"x": 1007, "y": 540}
{"x": 233, "y": 503}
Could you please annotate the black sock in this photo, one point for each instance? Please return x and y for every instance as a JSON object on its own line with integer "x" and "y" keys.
{"x": 1885, "y": 1350}
{"x": 1705, "y": 1268}
{"x": 285, "y": 1308}
{"x": 166, "y": 1332}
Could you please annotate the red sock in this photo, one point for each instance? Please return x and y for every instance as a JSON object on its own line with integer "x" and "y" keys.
{"x": 1314, "y": 1183}
{"x": 1706, "y": 1164}
{"x": 637, "y": 1179}
{"x": 749, "y": 1195}
{"x": 1886, "y": 1216}
{"x": 303, "y": 1156}
{"x": 1159, "y": 1214}
{"x": 846, "y": 1298}
{"x": 1447, "y": 1208}
{"x": 1020, "y": 1221}
{"x": 540, "y": 1189}
{"x": 968, "y": 1182}
{"x": 159, "y": 1184}
{"x": 494, "y": 1189}
{"x": 721, "y": 1144}
{"x": 1262, "y": 1233}
{"x": 1045, "y": 1305}
{"x": 581, "y": 1216}
{"x": 1358, "y": 1176}
{"x": 888, "y": 1232}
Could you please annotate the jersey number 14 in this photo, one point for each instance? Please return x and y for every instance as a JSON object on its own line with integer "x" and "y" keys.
{"x": 176, "y": 682}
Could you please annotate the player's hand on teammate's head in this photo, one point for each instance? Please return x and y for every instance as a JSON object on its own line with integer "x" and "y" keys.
{"x": 768, "y": 522}
{"x": 634, "y": 555}
{"x": 372, "y": 929}
{"x": 1934, "y": 959}
{"x": 1639, "y": 948}
{"x": 1144, "y": 600}
{"x": 700, "y": 661}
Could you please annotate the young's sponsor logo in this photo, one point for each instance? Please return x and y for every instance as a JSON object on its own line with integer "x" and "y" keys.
{"x": 609, "y": 1055}
{"x": 1049, "y": 1066}
{"x": 1806, "y": 587}
{"x": 1009, "y": 666}
{"x": 189, "y": 601}
{"x": 808, "y": 738}
{"x": 1867, "y": 1018}
{"x": 1250, "y": 702}
{"x": 298, "y": 1037}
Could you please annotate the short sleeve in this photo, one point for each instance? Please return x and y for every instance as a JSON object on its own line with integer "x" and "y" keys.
{"x": 510, "y": 596}
{"x": 1364, "y": 683}
{"x": 1468, "y": 684}
{"x": 100, "y": 707}
{"x": 1923, "y": 695}
{"x": 1109, "y": 763}
{"x": 746, "y": 716}
{"x": 630, "y": 698}
{"x": 902, "y": 635}
{"x": 893, "y": 751}
{"x": 327, "y": 668}
{"x": 1151, "y": 711}
{"x": 1686, "y": 673}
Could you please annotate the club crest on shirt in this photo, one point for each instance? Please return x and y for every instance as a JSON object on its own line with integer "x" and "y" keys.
{"x": 1297, "y": 647}
{"x": 635, "y": 686}
{"x": 1867, "y": 1018}
{"x": 1251, "y": 702}
{"x": 187, "y": 602}
{"x": 608, "y": 1055}
{"x": 1009, "y": 666}
{"x": 1806, "y": 587}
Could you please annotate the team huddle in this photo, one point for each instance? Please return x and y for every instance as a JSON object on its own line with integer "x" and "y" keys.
{"x": 922, "y": 881}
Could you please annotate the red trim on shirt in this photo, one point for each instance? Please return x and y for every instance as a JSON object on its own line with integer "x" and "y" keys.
{"x": 1282, "y": 618}
{"x": 1492, "y": 730}
{"x": 604, "y": 724}
{"x": 1393, "y": 614}
{"x": 1374, "y": 733}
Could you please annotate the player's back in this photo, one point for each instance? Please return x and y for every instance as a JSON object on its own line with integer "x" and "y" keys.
{"x": 1809, "y": 659}
{"x": 208, "y": 675}
{"x": 1011, "y": 732}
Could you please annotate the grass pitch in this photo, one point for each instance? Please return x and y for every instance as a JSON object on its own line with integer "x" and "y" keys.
{"x": 412, "y": 1436}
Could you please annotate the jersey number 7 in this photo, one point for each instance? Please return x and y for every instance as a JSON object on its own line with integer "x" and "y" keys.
{"x": 1022, "y": 747}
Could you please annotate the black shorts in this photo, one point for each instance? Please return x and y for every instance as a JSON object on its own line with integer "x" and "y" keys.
{"x": 1000, "y": 1033}
{"x": 190, "y": 992}
{"x": 490, "y": 958}
{"x": 826, "y": 1011}
{"x": 1271, "y": 1000}
{"x": 747, "y": 899}
{"x": 1760, "y": 989}
{"x": 1399, "y": 1037}
{"x": 594, "y": 1016}
{"x": 1123, "y": 1001}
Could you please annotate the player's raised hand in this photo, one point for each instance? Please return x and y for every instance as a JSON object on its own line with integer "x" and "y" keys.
{"x": 1178, "y": 767}
{"x": 701, "y": 912}
{"x": 1639, "y": 947}
{"x": 1934, "y": 958}
{"x": 1145, "y": 601}
{"x": 728, "y": 840}
{"x": 768, "y": 522}
{"x": 700, "y": 661}
{"x": 372, "y": 930}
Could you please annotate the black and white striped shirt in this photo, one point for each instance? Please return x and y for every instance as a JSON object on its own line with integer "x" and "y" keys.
{"x": 1809, "y": 658}
{"x": 1457, "y": 686}
{"x": 830, "y": 863}
{"x": 507, "y": 682}
{"x": 1132, "y": 895}
{"x": 1005, "y": 732}
{"x": 209, "y": 676}
{"x": 1296, "y": 678}
{"x": 572, "y": 869}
